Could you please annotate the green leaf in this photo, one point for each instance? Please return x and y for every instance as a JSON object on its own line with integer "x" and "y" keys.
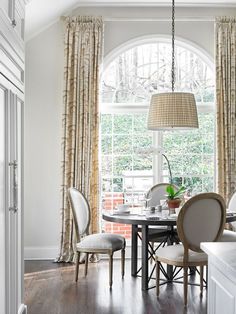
{"x": 170, "y": 190}
{"x": 172, "y": 194}
{"x": 179, "y": 192}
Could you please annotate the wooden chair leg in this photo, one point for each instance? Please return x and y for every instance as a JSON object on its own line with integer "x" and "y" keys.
{"x": 185, "y": 286}
{"x": 77, "y": 266}
{"x": 122, "y": 263}
{"x": 110, "y": 269}
{"x": 201, "y": 278}
{"x": 86, "y": 264}
{"x": 157, "y": 278}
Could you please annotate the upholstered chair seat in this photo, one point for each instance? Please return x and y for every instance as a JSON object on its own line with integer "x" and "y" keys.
{"x": 175, "y": 254}
{"x": 102, "y": 241}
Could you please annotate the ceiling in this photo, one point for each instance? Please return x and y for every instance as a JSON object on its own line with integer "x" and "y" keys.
{"x": 41, "y": 13}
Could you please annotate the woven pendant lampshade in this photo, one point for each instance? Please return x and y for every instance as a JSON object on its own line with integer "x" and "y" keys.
{"x": 172, "y": 110}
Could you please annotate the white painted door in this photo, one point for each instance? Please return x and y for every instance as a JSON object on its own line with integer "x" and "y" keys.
{"x": 3, "y": 106}
{"x": 11, "y": 100}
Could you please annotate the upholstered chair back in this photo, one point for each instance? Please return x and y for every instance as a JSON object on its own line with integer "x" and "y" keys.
{"x": 201, "y": 219}
{"x": 81, "y": 212}
{"x": 157, "y": 193}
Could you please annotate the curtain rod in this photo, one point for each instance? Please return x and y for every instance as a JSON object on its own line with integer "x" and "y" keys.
{"x": 156, "y": 19}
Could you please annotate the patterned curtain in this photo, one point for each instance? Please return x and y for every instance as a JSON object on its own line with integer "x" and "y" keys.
{"x": 83, "y": 51}
{"x": 225, "y": 34}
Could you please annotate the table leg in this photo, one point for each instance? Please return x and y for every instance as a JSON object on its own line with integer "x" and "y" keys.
{"x": 134, "y": 250}
{"x": 170, "y": 242}
{"x": 144, "y": 257}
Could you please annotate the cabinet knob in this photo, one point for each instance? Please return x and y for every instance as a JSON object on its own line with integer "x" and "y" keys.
{"x": 13, "y": 23}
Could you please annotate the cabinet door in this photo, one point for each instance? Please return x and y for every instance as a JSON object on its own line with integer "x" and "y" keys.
{"x": 14, "y": 213}
{"x": 5, "y": 6}
{"x": 11, "y": 212}
{"x": 221, "y": 291}
{"x": 17, "y": 16}
{"x": 3, "y": 106}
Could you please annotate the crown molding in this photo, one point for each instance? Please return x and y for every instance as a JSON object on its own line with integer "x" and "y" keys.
{"x": 155, "y": 3}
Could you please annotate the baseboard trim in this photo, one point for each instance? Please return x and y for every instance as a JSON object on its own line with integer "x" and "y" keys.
{"x": 51, "y": 253}
{"x": 22, "y": 309}
{"x": 41, "y": 253}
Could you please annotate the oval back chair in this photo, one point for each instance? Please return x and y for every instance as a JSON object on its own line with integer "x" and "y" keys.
{"x": 201, "y": 219}
{"x": 99, "y": 243}
{"x": 80, "y": 211}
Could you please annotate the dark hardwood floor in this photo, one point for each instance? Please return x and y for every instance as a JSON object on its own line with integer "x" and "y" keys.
{"x": 50, "y": 289}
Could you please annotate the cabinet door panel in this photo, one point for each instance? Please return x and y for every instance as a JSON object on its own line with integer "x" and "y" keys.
{"x": 14, "y": 200}
{"x": 5, "y": 7}
{"x": 19, "y": 19}
{"x": 3, "y": 100}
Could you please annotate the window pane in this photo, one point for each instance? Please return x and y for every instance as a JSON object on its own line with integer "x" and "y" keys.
{"x": 140, "y": 123}
{"x": 142, "y": 162}
{"x": 141, "y": 142}
{"x": 191, "y": 155}
{"x": 106, "y": 144}
{"x": 122, "y": 144}
{"x": 106, "y": 123}
{"x": 121, "y": 164}
{"x": 107, "y": 165}
{"x": 122, "y": 124}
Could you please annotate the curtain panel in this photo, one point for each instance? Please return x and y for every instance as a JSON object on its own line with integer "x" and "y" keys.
{"x": 83, "y": 52}
{"x": 225, "y": 54}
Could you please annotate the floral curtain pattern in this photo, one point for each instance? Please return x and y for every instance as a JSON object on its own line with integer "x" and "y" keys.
{"x": 83, "y": 51}
{"x": 225, "y": 35}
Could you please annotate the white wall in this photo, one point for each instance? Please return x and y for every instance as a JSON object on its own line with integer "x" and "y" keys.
{"x": 44, "y": 85}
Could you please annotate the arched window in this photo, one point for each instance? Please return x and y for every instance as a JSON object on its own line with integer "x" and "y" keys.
{"x": 128, "y": 81}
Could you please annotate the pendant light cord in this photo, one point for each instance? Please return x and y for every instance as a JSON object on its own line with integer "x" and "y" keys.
{"x": 173, "y": 47}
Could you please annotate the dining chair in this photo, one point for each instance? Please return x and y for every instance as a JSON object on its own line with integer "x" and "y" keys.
{"x": 156, "y": 194}
{"x": 156, "y": 234}
{"x": 100, "y": 243}
{"x": 201, "y": 219}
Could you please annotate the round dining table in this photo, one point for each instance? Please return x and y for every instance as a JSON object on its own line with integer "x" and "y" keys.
{"x": 137, "y": 221}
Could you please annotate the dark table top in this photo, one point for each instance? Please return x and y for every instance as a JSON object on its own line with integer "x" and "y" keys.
{"x": 141, "y": 219}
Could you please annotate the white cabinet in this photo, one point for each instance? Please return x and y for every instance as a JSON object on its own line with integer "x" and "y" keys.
{"x": 221, "y": 277}
{"x": 11, "y": 209}
{"x": 11, "y": 52}
{"x": 221, "y": 291}
{"x": 16, "y": 15}
{"x": 14, "y": 12}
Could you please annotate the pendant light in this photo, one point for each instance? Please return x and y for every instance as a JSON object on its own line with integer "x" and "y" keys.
{"x": 173, "y": 110}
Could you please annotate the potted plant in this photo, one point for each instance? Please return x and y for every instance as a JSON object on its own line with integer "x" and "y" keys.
{"x": 174, "y": 196}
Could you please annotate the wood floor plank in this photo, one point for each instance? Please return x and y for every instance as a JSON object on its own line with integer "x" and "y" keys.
{"x": 50, "y": 289}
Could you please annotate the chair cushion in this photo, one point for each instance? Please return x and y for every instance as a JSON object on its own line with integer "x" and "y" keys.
{"x": 228, "y": 236}
{"x": 102, "y": 241}
{"x": 175, "y": 253}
